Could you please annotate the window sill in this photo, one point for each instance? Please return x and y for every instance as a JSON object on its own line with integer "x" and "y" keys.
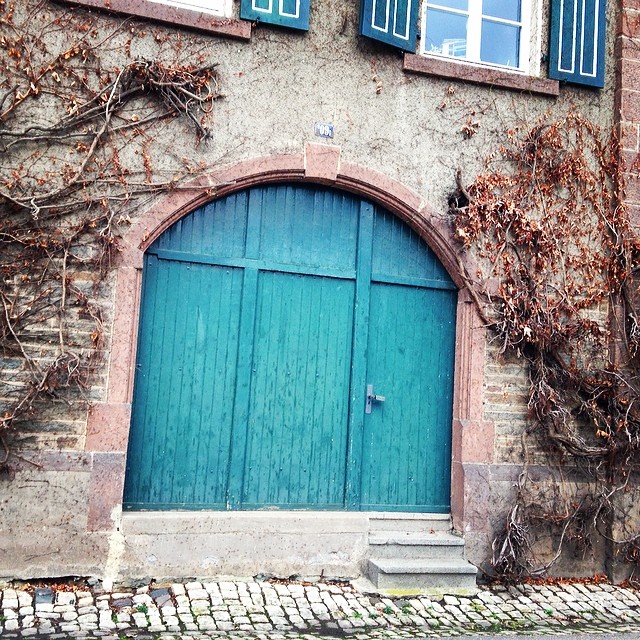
{"x": 466, "y": 72}
{"x": 173, "y": 15}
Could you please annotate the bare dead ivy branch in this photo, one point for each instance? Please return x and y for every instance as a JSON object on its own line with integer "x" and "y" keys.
{"x": 78, "y": 157}
{"x": 548, "y": 222}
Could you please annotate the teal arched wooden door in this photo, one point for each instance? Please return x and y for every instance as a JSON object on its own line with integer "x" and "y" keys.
{"x": 265, "y": 318}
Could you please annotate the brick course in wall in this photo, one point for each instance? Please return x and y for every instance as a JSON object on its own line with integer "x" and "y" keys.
{"x": 627, "y": 99}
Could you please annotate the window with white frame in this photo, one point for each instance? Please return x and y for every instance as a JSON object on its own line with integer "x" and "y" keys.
{"x": 504, "y": 34}
{"x": 492, "y": 32}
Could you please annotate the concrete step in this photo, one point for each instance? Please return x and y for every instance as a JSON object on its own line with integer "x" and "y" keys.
{"x": 413, "y": 545}
{"x": 412, "y": 522}
{"x": 422, "y": 574}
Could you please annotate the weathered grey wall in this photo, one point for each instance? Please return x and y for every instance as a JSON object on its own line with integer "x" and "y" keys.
{"x": 406, "y": 126}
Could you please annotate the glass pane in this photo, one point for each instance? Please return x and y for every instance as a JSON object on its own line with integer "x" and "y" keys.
{"x": 446, "y": 33}
{"x": 505, "y": 9}
{"x": 500, "y": 44}
{"x": 462, "y": 5}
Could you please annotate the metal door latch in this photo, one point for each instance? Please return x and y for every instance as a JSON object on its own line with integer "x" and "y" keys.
{"x": 371, "y": 398}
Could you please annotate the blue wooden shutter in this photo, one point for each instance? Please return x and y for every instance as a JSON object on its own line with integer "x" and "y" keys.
{"x": 285, "y": 13}
{"x": 577, "y": 41}
{"x": 392, "y": 21}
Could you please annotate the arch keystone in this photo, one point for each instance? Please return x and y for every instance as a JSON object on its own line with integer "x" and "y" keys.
{"x": 321, "y": 162}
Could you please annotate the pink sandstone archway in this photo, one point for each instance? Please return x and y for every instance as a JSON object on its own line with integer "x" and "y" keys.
{"x": 108, "y": 424}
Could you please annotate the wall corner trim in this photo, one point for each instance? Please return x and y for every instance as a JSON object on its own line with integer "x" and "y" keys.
{"x": 107, "y": 427}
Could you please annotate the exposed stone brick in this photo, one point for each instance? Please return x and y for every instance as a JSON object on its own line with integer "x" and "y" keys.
{"x": 630, "y": 21}
{"x": 632, "y": 189}
{"x": 630, "y": 105}
{"x": 631, "y": 160}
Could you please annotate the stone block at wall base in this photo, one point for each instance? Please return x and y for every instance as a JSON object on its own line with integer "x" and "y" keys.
{"x": 163, "y": 545}
{"x": 43, "y": 520}
{"x": 53, "y": 554}
{"x": 477, "y": 550}
{"x": 576, "y": 560}
{"x": 623, "y": 546}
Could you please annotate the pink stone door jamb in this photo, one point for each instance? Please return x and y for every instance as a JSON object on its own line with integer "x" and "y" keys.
{"x": 108, "y": 425}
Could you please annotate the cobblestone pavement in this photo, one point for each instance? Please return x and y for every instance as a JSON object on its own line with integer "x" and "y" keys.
{"x": 286, "y": 611}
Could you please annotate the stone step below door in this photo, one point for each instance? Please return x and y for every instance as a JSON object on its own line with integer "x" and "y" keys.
{"x": 409, "y": 522}
{"x": 410, "y": 545}
{"x": 419, "y": 553}
{"x": 448, "y": 576}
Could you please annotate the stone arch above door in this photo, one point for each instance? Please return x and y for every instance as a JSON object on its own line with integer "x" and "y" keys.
{"x": 108, "y": 425}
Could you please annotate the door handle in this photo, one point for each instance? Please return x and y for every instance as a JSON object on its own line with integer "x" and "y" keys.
{"x": 371, "y": 398}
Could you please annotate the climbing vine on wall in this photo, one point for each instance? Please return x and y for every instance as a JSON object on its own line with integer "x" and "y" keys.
{"x": 557, "y": 286}
{"x": 79, "y": 154}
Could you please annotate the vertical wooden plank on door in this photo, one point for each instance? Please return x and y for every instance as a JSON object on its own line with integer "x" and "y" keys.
{"x": 185, "y": 372}
{"x": 188, "y": 337}
{"x": 406, "y": 457}
{"x": 178, "y": 377}
{"x": 138, "y": 475}
{"x": 241, "y": 424}
{"x": 406, "y": 451}
{"x": 235, "y": 465}
{"x": 359, "y": 356}
{"x": 216, "y": 359}
{"x": 296, "y": 448}
{"x": 296, "y": 439}
{"x": 444, "y": 317}
{"x": 160, "y": 371}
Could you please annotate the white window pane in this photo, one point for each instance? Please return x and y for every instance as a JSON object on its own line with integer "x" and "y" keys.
{"x": 505, "y": 9}
{"x": 500, "y": 43}
{"x": 446, "y": 33}
{"x": 462, "y": 5}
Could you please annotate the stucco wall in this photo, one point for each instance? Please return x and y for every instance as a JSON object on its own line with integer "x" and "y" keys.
{"x": 405, "y": 126}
